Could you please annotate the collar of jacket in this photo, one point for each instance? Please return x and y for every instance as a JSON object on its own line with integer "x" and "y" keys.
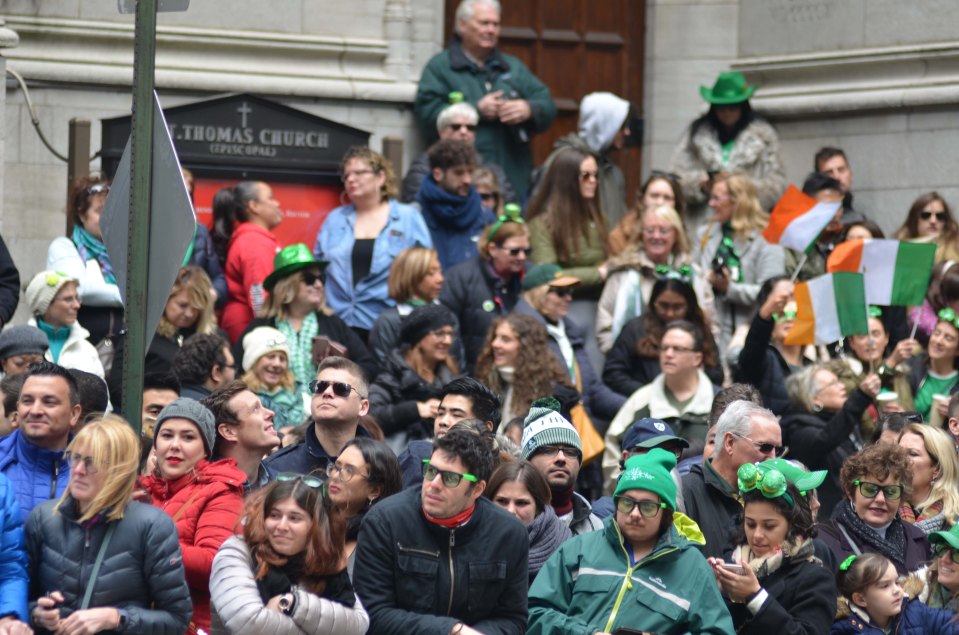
{"x": 464, "y": 533}
{"x": 37, "y": 457}
{"x": 668, "y": 541}
{"x": 315, "y": 449}
{"x": 460, "y": 62}
{"x": 581, "y": 508}
{"x": 716, "y": 481}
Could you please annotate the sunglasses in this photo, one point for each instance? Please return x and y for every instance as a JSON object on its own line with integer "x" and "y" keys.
{"x": 340, "y": 389}
{"x": 100, "y": 188}
{"x": 306, "y": 479}
{"x": 586, "y": 175}
{"x": 89, "y": 466}
{"x": 450, "y": 479}
{"x": 648, "y": 509}
{"x": 552, "y": 450}
{"x": 515, "y": 251}
{"x": 344, "y": 473}
{"x": 942, "y": 550}
{"x": 928, "y": 215}
{"x": 871, "y": 490}
{"x": 563, "y": 292}
{"x": 463, "y": 126}
{"x": 669, "y": 176}
{"x": 765, "y": 448}
{"x": 309, "y": 279}
{"x": 489, "y": 196}
{"x": 784, "y": 316}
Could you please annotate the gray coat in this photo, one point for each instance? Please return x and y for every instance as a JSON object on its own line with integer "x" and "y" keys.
{"x": 759, "y": 261}
{"x": 237, "y": 608}
{"x": 142, "y": 571}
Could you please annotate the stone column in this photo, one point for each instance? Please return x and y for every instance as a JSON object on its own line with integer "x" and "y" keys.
{"x": 8, "y": 39}
{"x": 398, "y": 33}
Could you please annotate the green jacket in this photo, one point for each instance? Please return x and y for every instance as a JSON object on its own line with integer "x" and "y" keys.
{"x": 588, "y": 586}
{"x": 583, "y": 264}
{"x": 450, "y": 70}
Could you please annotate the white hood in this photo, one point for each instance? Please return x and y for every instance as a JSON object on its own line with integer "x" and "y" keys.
{"x": 601, "y": 116}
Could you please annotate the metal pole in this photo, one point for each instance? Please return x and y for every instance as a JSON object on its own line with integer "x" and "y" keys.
{"x": 78, "y": 160}
{"x": 141, "y": 184}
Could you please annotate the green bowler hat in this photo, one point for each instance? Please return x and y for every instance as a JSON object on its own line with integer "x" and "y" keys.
{"x": 730, "y": 88}
{"x": 290, "y": 260}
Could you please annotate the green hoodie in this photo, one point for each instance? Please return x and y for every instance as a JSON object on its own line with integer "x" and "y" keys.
{"x": 588, "y": 585}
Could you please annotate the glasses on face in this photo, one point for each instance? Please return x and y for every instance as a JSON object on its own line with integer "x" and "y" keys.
{"x": 344, "y": 473}
{"x": 515, "y": 251}
{"x": 940, "y": 216}
{"x": 306, "y": 479}
{"x": 456, "y": 127}
{"x": 871, "y": 490}
{"x": 340, "y": 388}
{"x": 309, "y": 278}
{"x": 784, "y": 316}
{"x": 357, "y": 173}
{"x": 942, "y": 550}
{"x": 489, "y": 196}
{"x": 550, "y": 451}
{"x": 669, "y": 176}
{"x": 89, "y": 466}
{"x": 675, "y": 349}
{"x": 563, "y": 292}
{"x": 657, "y": 231}
{"x": 450, "y": 479}
{"x": 100, "y": 188}
{"x": 443, "y": 334}
{"x": 586, "y": 175}
{"x": 648, "y": 509}
{"x": 764, "y": 448}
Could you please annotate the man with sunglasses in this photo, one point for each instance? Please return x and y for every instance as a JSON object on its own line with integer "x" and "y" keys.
{"x": 443, "y": 558}
{"x": 457, "y": 121}
{"x": 450, "y": 204}
{"x": 340, "y": 398}
{"x": 555, "y": 449}
{"x": 745, "y": 433}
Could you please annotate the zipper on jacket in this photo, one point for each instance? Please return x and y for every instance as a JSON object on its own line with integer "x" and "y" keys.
{"x": 423, "y": 552}
{"x": 628, "y": 582}
{"x": 449, "y": 607}
{"x": 56, "y": 476}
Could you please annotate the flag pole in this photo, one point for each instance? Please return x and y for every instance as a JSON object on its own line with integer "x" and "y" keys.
{"x": 799, "y": 267}
{"x": 915, "y": 327}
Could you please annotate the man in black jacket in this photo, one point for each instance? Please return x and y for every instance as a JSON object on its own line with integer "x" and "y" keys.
{"x": 442, "y": 558}
{"x": 745, "y": 433}
{"x": 9, "y": 285}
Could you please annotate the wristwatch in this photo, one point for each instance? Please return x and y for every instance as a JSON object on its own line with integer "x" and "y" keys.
{"x": 287, "y": 603}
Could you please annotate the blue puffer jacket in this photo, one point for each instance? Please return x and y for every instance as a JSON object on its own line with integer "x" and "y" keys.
{"x": 915, "y": 619}
{"x": 204, "y": 256}
{"x": 13, "y": 559}
{"x": 35, "y": 473}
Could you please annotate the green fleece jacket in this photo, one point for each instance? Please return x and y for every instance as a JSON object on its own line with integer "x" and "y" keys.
{"x": 452, "y": 71}
{"x": 588, "y": 585}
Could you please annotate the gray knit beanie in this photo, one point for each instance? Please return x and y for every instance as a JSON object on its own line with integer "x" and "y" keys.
{"x": 544, "y": 425}
{"x": 192, "y": 410}
{"x": 22, "y": 339}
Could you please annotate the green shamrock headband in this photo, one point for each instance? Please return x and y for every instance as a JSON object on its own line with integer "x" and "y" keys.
{"x": 949, "y": 315}
{"x": 847, "y": 563}
{"x": 771, "y": 483}
{"x": 683, "y": 273}
{"x": 511, "y": 214}
{"x": 874, "y": 311}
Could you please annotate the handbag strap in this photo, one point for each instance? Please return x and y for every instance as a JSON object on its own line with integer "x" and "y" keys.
{"x": 852, "y": 544}
{"x": 96, "y": 566}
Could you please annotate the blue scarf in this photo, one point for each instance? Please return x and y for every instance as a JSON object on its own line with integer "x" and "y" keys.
{"x": 91, "y": 248}
{"x": 455, "y": 222}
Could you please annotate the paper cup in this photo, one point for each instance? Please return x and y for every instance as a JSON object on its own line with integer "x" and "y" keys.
{"x": 935, "y": 419}
{"x": 885, "y": 399}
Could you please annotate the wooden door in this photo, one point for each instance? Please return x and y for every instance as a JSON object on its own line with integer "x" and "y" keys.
{"x": 577, "y": 47}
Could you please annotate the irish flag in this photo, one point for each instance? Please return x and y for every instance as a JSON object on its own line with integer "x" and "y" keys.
{"x": 896, "y": 272}
{"x": 828, "y": 308}
{"x": 798, "y": 219}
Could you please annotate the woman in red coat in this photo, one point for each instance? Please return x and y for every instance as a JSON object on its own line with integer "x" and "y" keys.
{"x": 204, "y": 499}
{"x": 244, "y": 216}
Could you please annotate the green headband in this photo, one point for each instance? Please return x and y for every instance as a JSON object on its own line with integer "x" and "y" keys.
{"x": 847, "y": 563}
{"x": 683, "y": 273}
{"x": 771, "y": 484}
{"x": 511, "y": 214}
{"x": 874, "y": 311}
{"x": 949, "y": 315}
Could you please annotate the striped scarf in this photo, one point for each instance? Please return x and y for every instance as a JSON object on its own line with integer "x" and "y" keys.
{"x": 301, "y": 347}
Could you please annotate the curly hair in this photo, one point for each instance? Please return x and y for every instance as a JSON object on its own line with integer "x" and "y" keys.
{"x": 537, "y": 368}
{"x": 446, "y": 154}
{"x": 566, "y": 213}
{"x": 324, "y": 545}
{"x": 799, "y": 516}
{"x": 880, "y": 460}
{"x": 470, "y": 448}
{"x": 654, "y": 327}
{"x": 379, "y": 164}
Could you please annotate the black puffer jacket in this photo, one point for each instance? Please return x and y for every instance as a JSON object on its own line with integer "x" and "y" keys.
{"x": 761, "y": 365}
{"x": 415, "y": 576}
{"x": 142, "y": 571}
{"x": 712, "y": 503}
{"x": 394, "y": 394}
{"x": 824, "y": 440}
{"x": 477, "y": 296}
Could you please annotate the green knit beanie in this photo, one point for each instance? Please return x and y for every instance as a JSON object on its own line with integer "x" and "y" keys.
{"x": 650, "y": 472}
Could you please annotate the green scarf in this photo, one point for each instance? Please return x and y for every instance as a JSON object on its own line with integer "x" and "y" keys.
{"x": 301, "y": 347}
{"x": 90, "y": 248}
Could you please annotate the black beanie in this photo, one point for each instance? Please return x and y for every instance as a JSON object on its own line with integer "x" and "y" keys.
{"x": 422, "y": 321}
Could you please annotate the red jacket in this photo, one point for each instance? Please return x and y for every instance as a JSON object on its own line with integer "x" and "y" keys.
{"x": 249, "y": 260}
{"x": 206, "y": 506}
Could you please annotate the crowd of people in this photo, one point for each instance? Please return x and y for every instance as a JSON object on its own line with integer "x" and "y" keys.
{"x": 489, "y": 399}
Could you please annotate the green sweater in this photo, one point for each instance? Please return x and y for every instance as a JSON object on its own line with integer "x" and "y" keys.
{"x": 582, "y": 264}
{"x": 589, "y": 586}
{"x": 450, "y": 70}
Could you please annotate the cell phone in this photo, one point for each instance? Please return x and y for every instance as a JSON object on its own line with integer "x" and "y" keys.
{"x": 734, "y": 568}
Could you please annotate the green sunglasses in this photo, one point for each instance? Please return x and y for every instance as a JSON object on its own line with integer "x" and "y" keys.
{"x": 450, "y": 479}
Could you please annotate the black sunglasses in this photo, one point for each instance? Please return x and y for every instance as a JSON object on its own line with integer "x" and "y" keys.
{"x": 669, "y": 176}
{"x": 941, "y": 550}
{"x": 463, "y": 126}
{"x": 340, "y": 389}
{"x": 309, "y": 279}
{"x": 927, "y": 215}
{"x": 764, "y": 448}
{"x": 515, "y": 251}
{"x": 563, "y": 292}
{"x": 489, "y": 196}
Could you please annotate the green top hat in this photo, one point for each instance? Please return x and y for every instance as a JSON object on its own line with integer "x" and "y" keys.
{"x": 290, "y": 260}
{"x": 730, "y": 88}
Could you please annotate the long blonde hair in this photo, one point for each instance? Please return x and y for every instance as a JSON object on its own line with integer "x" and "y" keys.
{"x": 115, "y": 450}
{"x": 945, "y": 487}
{"x": 284, "y": 292}
{"x": 748, "y": 214}
{"x": 198, "y": 286}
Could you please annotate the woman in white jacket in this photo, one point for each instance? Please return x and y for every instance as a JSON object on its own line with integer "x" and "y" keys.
{"x": 287, "y": 572}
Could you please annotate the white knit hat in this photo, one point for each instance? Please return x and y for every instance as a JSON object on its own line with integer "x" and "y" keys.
{"x": 261, "y": 341}
{"x": 544, "y": 425}
{"x": 43, "y": 289}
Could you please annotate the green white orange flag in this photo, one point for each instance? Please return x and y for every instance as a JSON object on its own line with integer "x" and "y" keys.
{"x": 896, "y": 272}
{"x": 798, "y": 219}
{"x": 829, "y": 308}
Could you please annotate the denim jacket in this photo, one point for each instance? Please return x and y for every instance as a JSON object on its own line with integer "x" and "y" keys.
{"x": 360, "y": 305}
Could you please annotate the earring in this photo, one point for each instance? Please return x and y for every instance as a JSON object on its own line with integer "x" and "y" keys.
{"x": 817, "y": 407}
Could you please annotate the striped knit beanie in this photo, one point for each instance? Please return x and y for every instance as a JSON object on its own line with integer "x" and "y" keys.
{"x": 544, "y": 425}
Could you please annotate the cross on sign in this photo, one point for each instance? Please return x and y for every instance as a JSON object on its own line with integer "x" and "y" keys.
{"x": 244, "y": 110}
